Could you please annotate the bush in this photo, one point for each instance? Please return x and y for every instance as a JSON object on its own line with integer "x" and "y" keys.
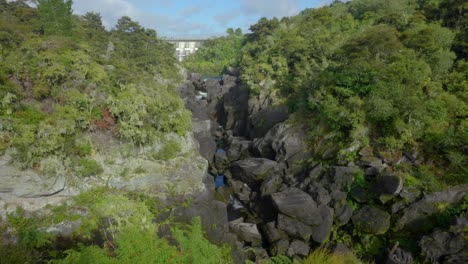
{"x": 322, "y": 256}
{"x": 88, "y": 167}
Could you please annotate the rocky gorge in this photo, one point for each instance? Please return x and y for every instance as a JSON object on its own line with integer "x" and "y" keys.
{"x": 275, "y": 195}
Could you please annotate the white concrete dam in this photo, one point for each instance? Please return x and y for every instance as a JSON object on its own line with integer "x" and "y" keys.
{"x": 185, "y": 47}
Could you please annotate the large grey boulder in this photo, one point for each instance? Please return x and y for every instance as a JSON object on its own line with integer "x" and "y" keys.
{"x": 238, "y": 149}
{"x": 299, "y": 205}
{"x": 416, "y": 214}
{"x": 202, "y": 131}
{"x": 271, "y": 185}
{"x": 321, "y": 231}
{"x": 232, "y": 110}
{"x": 272, "y": 234}
{"x": 343, "y": 214}
{"x": 293, "y": 227}
{"x": 285, "y": 143}
{"x": 299, "y": 248}
{"x": 252, "y": 169}
{"x": 247, "y": 232}
{"x": 262, "y": 121}
{"x": 370, "y": 219}
{"x": 339, "y": 177}
{"x": 212, "y": 87}
{"x": 444, "y": 245}
{"x": 388, "y": 184}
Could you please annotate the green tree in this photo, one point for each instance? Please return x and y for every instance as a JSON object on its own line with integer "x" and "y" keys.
{"x": 55, "y": 16}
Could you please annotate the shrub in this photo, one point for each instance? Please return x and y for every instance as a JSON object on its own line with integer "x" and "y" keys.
{"x": 88, "y": 167}
{"x": 322, "y": 256}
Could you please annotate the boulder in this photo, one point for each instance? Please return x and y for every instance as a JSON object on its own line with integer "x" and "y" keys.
{"x": 262, "y": 121}
{"x": 280, "y": 247}
{"x": 284, "y": 143}
{"x": 238, "y": 149}
{"x": 444, "y": 245}
{"x": 187, "y": 90}
{"x": 232, "y": 110}
{"x": 293, "y": 227}
{"x": 273, "y": 234}
{"x": 195, "y": 78}
{"x": 339, "y": 177}
{"x": 319, "y": 193}
{"x": 246, "y": 232}
{"x": 212, "y": 87}
{"x": 399, "y": 256}
{"x": 299, "y": 248}
{"x": 321, "y": 231}
{"x": 299, "y": 205}
{"x": 202, "y": 132}
{"x": 370, "y": 219}
{"x": 252, "y": 169}
{"x": 271, "y": 185}
{"x": 388, "y": 184}
{"x": 415, "y": 215}
{"x": 343, "y": 214}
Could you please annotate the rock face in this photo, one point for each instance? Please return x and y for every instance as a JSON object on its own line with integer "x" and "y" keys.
{"x": 299, "y": 205}
{"x": 444, "y": 247}
{"x": 202, "y": 132}
{"x": 246, "y": 232}
{"x": 415, "y": 215}
{"x": 284, "y": 143}
{"x": 371, "y": 220}
{"x": 262, "y": 121}
{"x": 294, "y": 228}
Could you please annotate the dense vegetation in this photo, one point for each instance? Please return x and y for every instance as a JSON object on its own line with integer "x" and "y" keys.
{"x": 216, "y": 54}
{"x": 390, "y": 74}
{"x": 64, "y": 76}
{"x": 121, "y": 222}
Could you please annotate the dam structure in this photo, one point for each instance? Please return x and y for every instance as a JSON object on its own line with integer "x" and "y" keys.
{"x": 185, "y": 46}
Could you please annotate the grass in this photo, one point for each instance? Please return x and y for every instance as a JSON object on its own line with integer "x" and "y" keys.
{"x": 324, "y": 256}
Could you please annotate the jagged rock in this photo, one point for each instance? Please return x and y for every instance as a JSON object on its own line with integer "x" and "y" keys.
{"x": 299, "y": 205}
{"x": 338, "y": 198}
{"x": 232, "y": 110}
{"x": 221, "y": 159}
{"x": 239, "y": 149}
{"x": 246, "y": 232}
{"x": 370, "y": 219}
{"x": 399, "y": 256}
{"x": 213, "y": 216}
{"x": 298, "y": 247}
{"x": 187, "y": 90}
{"x": 284, "y": 143}
{"x": 212, "y": 87}
{"x": 443, "y": 244}
{"x": 388, "y": 184}
{"x": 280, "y": 247}
{"x": 242, "y": 190}
{"x": 316, "y": 172}
{"x": 321, "y": 231}
{"x": 340, "y": 249}
{"x": 265, "y": 119}
{"x": 415, "y": 215}
{"x": 320, "y": 194}
{"x": 343, "y": 214}
{"x": 195, "y": 78}
{"x": 252, "y": 169}
{"x": 359, "y": 194}
{"x": 202, "y": 132}
{"x": 272, "y": 233}
{"x": 293, "y": 227}
{"x": 339, "y": 178}
{"x": 271, "y": 185}
{"x": 228, "y": 81}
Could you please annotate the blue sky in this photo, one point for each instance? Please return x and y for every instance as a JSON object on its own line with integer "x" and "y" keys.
{"x": 198, "y": 18}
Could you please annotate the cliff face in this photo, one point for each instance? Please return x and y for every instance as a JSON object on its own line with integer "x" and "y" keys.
{"x": 287, "y": 195}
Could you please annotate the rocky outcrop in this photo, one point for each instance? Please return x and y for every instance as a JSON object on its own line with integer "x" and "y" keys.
{"x": 252, "y": 169}
{"x": 415, "y": 215}
{"x": 299, "y": 205}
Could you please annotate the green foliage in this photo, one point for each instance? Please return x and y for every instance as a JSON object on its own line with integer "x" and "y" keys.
{"x": 56, "y": 16}
{"x": 372, "y": 72}
{"x": 170, "y": 150}
{"x": 322, "y": 256}
{"x": 27, "y": 230}
{"x": 89, "y": 167}
{"x": 216, "y": 54}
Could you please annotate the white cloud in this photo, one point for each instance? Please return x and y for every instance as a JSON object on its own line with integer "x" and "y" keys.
{"x": 270, "y": 8}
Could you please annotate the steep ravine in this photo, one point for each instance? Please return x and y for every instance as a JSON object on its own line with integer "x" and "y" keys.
{"x": 275, "y": 197}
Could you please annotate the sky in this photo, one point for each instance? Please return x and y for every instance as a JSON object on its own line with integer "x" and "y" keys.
{"x": 196, "y": 18}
